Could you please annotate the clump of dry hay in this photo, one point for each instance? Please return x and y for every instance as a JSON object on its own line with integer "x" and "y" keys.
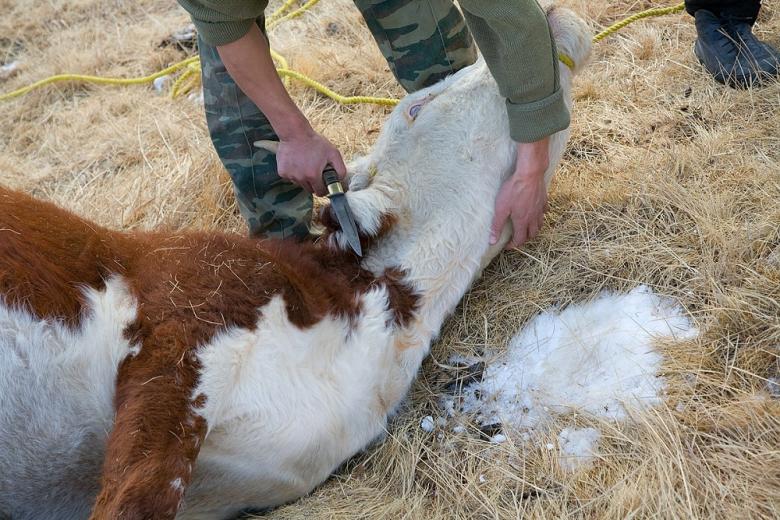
{"x": 670, "y": 180}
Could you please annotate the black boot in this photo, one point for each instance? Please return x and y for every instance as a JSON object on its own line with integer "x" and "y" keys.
{"x": 729, "y": 51}
{"x": 759, "y": 56}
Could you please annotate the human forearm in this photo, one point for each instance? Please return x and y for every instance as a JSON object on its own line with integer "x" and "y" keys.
{"x": 533, "y": 159}
{"x": 248, "y": 61}
{"x": 302, "y": 153}
{"x": 515, "y": 40}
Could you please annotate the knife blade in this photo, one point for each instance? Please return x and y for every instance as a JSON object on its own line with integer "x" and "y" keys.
{"x": 341, "y": 208}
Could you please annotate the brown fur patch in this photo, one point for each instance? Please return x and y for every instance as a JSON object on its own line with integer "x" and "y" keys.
{"x": 188, "y": 286}
{"x": 47, "y": 256}
{"x": 403, "y": 301}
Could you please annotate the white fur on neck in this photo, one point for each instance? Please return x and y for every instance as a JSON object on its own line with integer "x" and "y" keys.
{"x": 440, "y": 238}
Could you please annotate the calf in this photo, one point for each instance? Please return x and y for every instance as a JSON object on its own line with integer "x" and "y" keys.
{"x": 137, "y": 366}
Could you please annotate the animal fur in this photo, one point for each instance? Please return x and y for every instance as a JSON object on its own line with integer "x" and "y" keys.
{"x": 192, "y": 375}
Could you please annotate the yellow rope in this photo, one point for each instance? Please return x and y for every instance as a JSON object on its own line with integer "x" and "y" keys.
{"x": 274, "y": 21}
{"x": 285, "y": 6}
{"x": 188, "y": 77}
{"x": 615, "y": 27}
{"x": 186, "y": 80}
{"x": 100, "y": 80}
{"x": 649, "y": 13}
{"x": 344, "y": 100}
{"x": 282, "y": 64}
{"x": 566, "y": 60}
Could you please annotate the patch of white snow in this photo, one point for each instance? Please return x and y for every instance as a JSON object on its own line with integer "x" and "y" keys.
{"x": 9, "y": 69}
{"x": 578, "y": 447}
{"x": 596, "y": 358}
{"x": 161, "y": 83}
{"x": 773, "y": 386}
{"x": 427, "y": 423}
{"x": 196, "y": 97}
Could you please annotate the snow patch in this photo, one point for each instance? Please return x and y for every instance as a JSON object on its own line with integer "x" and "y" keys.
{"x": 498, "y": 438}
{"x": 162, "y": 83}
{"x": 427, "y": 423}
{"x": 185, "y": 34}
{"x": 773, "y": 386}
{"x": 594, "y": 358}
{"x": 578, "y": 447}
{"x": 196, "y": 97}
{"x": 9, "y": 69}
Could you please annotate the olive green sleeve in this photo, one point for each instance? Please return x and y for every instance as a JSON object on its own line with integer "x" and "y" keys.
{"x": 515, "y": 40}
{"x": 222, "y": 22}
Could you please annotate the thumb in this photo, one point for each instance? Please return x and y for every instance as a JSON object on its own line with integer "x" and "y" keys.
{"x": 499, "y": 219}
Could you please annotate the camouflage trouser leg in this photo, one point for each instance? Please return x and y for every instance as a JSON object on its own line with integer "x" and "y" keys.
{"x": 422, "y": 40}
{"x": 271, "y": 206}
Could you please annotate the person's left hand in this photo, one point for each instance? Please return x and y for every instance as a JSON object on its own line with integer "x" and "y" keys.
{"x": 523, "y": 197}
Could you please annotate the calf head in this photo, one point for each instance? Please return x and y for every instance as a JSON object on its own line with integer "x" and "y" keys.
{"x": 437, "y": 166}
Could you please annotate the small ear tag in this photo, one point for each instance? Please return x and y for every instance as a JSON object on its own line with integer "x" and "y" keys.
{"x": 415, "y": 108}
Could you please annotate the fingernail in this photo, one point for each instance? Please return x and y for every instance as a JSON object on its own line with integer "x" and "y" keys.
{"x": 492, "y": 239}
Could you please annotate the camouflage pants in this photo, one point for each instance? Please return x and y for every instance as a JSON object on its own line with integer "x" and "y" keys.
{"x": 422, "y": 41}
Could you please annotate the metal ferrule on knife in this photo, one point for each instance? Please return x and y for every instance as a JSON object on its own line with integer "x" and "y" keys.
{"x": 335, "y": 188}
{"x": 341, "y": 209}
{"x": 332, "y": 181}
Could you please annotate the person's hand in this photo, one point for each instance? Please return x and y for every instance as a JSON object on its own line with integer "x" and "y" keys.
{"x": 523, "y": 197}
{"x": 302, "y": 153}
{"x": 301, "y": 158}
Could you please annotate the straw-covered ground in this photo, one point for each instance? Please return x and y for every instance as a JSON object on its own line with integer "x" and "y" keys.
{"x": 670, "y": 180}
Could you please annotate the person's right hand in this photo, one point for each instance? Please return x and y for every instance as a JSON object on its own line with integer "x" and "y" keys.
{"x": 301, "y": 158}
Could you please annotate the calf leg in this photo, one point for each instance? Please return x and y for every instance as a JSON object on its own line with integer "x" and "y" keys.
{"x": 156, "y": 437}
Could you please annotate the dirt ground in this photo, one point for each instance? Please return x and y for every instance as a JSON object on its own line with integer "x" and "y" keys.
{"x": 670, "y": 180}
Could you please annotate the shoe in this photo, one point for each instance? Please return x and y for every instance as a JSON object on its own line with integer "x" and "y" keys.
{"x": 754, "y": 54}
{"x": 729, "y": 51}
{"x": 774, "y": 52}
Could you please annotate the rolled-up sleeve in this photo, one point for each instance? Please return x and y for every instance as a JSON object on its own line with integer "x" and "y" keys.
{"x": 222, "y": 22}
{"x": 515, "y": 40}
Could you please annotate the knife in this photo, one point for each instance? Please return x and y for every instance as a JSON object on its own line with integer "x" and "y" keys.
{"x": 341, "y": 208}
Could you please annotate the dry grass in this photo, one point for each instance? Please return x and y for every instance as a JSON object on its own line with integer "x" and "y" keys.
{"x": 670, "y": 180}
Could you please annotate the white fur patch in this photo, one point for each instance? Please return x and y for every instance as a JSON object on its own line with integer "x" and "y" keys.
{"x": 286, "y": 405}
{"x": 87, "y": 355}
{"x": 57, "y": 397}
{"x": 177, "y": 486}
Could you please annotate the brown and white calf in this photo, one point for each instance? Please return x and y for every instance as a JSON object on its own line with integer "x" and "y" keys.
{"x": 150, "y": 375}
